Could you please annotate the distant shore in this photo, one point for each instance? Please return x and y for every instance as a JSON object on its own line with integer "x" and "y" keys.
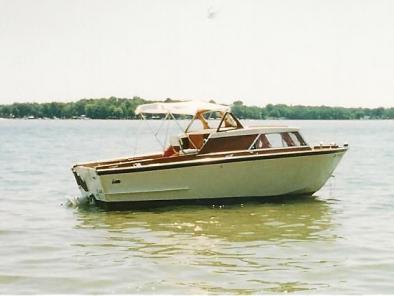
{"x": 124, "y": 108}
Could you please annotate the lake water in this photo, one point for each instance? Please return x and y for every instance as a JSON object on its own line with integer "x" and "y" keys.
{"x": 339, "y": 241}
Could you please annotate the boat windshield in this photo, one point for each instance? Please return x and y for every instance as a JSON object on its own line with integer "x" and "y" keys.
{"x": 213, "y": 120}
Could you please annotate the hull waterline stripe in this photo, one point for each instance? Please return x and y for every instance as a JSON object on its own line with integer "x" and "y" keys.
{"x": 214, "y": 161}
{"x": 146, "y": 204}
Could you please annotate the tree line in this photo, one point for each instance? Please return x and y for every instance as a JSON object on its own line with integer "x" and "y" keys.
{"x": 124, "y": 108}
{"x": 282, "y": 111}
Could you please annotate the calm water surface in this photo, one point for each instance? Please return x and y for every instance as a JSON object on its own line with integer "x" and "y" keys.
{"x": 339, "y": 241}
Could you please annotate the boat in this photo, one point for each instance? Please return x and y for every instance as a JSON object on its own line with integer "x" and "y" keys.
{"x": 222, "y": 159}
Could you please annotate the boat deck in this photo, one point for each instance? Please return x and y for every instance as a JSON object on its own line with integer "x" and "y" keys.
{"x": 157, "y": 159}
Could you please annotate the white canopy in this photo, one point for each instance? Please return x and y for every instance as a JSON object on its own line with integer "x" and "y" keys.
{"x": 184, "y": 108}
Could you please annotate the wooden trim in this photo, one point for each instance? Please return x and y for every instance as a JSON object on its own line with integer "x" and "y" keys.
{"x": 221, "y": 160}
{"x": 227, "y": 144}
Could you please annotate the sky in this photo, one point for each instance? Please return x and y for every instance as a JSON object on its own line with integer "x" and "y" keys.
{"x": 308, "y": 52}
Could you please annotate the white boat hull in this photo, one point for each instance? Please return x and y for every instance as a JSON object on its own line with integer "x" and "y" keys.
{"x": 247, "y": 176}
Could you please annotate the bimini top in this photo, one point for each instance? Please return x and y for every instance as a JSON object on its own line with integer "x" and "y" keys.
{"x": 184, "y": 108}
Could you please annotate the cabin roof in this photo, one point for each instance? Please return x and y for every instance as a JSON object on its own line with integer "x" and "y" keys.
{"x": 182, "y": 108}
{"x": 254, "y": 131}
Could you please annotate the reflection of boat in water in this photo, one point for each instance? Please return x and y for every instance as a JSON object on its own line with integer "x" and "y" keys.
{"x": 296, "y": 219}
{"x": 225, "y": 161}
{"x": 255, "y": 249}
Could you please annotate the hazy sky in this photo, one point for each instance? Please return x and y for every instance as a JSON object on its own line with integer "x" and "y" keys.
{"x": 333, "y": 52}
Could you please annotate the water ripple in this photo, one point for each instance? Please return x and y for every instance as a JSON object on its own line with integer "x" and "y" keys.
{"x": 340, "y": 241}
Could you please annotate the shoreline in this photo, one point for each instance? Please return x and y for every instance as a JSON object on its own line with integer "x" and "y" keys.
{"x": 114, "y": 108}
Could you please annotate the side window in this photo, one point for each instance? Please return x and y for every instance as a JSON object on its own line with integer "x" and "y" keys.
{"x": 297, "y": 138}
{"x": 294, "y": 138}
{"x": 261, "y": 142}
{"x": 287, "y": 140}
{"x": 275, "y": 140}
{"x": 279, "y": 140}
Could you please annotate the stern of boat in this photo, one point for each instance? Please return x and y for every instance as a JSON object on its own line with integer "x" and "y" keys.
{"x": 88, "y": 182}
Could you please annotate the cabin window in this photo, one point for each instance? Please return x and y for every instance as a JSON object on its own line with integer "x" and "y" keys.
{"x": 287, "y": 141}
{"x": 275, "y": 140}
{"x": 279, "y": 140}
{"x": 261, "y": 143}
{"x": 297, "y": 138}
